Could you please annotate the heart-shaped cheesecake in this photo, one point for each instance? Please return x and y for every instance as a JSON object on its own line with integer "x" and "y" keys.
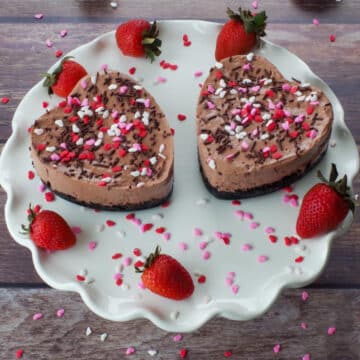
{"x": 256, "y": 130}
{"x": 107, "y": 146}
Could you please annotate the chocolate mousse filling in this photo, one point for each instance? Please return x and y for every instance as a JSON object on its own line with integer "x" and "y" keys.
{"x": 108, "y": 145}
{"x": 256, "y": 130}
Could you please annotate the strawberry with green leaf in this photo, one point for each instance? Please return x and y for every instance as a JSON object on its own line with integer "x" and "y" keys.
{"x": 48, "y": 230}
{"x": 240, "y": 34}
{"x": 138, "y": 38}
{"x": 64, "y": 78}
{"x": 165, "y": 276}
{"x": 324, "y": 206}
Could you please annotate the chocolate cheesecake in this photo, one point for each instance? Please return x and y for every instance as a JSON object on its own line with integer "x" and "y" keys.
{"x": 107, "y": 146}
{"x": 256, "y": 130}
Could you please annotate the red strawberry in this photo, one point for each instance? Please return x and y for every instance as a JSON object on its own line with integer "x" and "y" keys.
{"x": 324, "y": 206}
{"x": 240, "y": 34}
{"x": 165, "y": 276}
{"x": 65, "y": 77}
{"x": 138, "y": 38}
{"x": 48, "y": 230}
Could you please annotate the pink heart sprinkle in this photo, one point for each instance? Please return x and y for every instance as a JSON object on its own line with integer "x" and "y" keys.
{"x": 306, "y": 357}
{"x": 262, "y": 258}
{"x": 269, "y": 230}
{"x": 147, "y": 103}
{"x": 316, "y": 21}
{"x": 254, "y": 225}
{"x": 303, "y": 325}
{"x": 177, "y": 338}
{"x": 210, "y": 105}
{"x": 104, "y": 67}
{"x": 161, "y": 80}
{"x": 198, "y": 73}
{"x": 240, "y": 214}
{"x": 246, "y": 247}
{"x": 231, "y": 274}
{"x": 248, "y": 216}
{"x": 49, "y": 43}
{"x": 294, "y": 203}
{"x": 286, "y": 198}
{"x": 255, "y": 4}
{"x": 42, "y": 187}
{"x": 76, "y": 229}
{"x": 304, "y": 295}
{"x": 37, "y": 316}
{"x": 183, "y": 246}
{"x": 235, "y": 289}
{"x": 123, "y": 89}
{"x": 136, "y": 221}
{"x": 63, "y": 33}
{"x": 197, "y": 232}
{"x": 229, "y": 281}
{"x": 130, "y": 350}
{"x": 206, "y": 255}
{"x": 60, "y": 313}
{"x": 127, "y": 261}
{"x": 39, "y": 16}
{"x": 141, "y": 285}
{"x": 92, "y": 245}
{"x": 277, "y": 348}
{"x": 167, "y": 236}
{"x": 331, "y": 330}
{"x": 203, "y": 245}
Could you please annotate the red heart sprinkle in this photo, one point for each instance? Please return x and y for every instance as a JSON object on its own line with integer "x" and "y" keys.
{"x": 116, "y": 256}
{"x": 19, "y": 353}
{"x": 160, "y": 230}
{"x": 31, "y": 175}
{"x": 181, "y": 117}
{"x": 201, "y": 279}
{"x": 49, "y": 196}
{"x": 183, "y": 353}
{"x": 132, "y": 70}
{"x": 110, "y": 223}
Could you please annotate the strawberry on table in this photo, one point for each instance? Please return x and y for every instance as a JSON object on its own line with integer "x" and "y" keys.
{"x": 324, "y": 206}
{"x": 165, "y": 276}
{"x": 138, "y": 38}
{"x": 48, "y": 230}
{"x": 64, "y": 77}
{"x": 240, "y": 34}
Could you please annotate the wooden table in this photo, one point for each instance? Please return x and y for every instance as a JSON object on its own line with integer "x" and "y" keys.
{"x": 334, "y": 298}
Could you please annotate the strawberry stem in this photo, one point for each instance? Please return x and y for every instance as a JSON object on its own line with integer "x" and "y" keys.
{"x": 31, "y": 217}
{"x": 149, "y": 260}
{"x": 253, "y": 23}
{"x": 151, "y": 42}
{"x": 340, "y": 186}
{"x": 51, "y": 79}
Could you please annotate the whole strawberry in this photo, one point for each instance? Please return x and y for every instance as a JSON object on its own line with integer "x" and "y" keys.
{"x": 138, "y": 38}
{"x": 324, "y": 206}
{"x": 64, "y": 78}
{"x": 165, "y": 276}
{"x": 240, "y": 34}
{"x": 48, "y": 230}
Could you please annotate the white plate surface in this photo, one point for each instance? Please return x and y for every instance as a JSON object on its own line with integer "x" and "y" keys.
{"x": 258, "y": 283}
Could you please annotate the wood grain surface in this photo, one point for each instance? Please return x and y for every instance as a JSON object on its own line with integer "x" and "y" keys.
{"x": 334, "y": 297}
{"x": 56, "y": 338}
